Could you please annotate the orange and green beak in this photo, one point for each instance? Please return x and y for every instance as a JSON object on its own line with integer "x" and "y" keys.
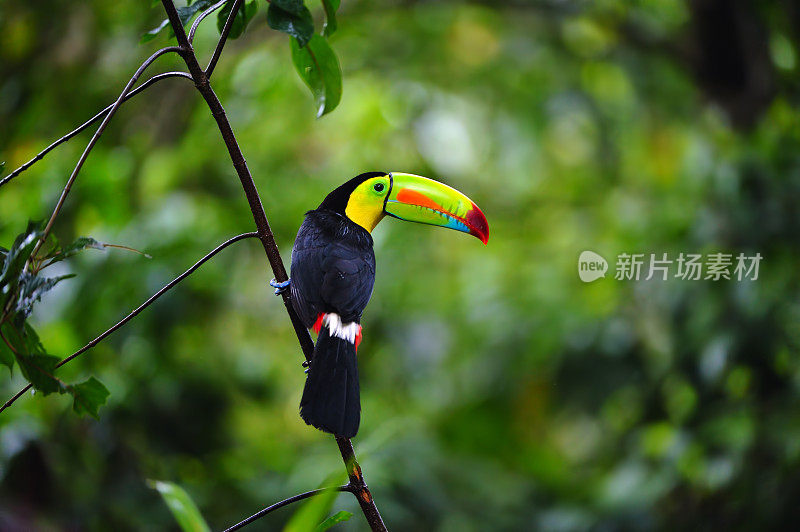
{"x": 418, "y": 199}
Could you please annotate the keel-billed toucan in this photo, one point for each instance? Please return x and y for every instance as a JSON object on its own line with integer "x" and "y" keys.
{"x": 333, "y": 272}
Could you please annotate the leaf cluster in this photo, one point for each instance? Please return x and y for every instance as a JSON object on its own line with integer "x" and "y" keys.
{"x": 313, "y": 57}
{"x": 22, "y": 285}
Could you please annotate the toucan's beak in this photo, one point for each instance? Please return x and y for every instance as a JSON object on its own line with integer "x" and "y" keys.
{"x": 419, "y": 199}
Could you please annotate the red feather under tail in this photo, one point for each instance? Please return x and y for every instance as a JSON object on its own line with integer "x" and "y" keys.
{"x": 318, "y": 324}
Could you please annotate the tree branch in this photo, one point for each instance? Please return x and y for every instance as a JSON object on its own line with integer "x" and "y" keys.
{"x": 203, "y": 15}
{"x": 169, "y": 286}
{"x": 95, "y": 138}
{"x": 360, "y": 488}
{"x": 283, "y": 503}
{"x": 237, "y": 4}
{"x": 95, "y": 118}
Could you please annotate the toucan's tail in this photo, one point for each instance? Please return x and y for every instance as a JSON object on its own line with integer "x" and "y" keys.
{"x": 331, "y": 399}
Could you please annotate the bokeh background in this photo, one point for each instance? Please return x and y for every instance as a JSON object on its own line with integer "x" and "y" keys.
{"x": 499, "y": 391}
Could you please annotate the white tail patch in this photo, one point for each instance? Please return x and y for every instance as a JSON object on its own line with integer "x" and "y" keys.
{"x": 345, "y": 331}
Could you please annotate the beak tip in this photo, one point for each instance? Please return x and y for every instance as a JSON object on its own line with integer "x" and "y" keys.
{"x": 478, "y": 224}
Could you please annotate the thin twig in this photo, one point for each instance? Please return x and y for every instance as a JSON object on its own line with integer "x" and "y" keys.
{"x": 89, "y": 122}
{"x": 96, "y": 136}
{"x": 223, "y": 37}
{"x": 283, "y": 503}
{"x": 203, "y": 15}
{"x": 140, "y": 308}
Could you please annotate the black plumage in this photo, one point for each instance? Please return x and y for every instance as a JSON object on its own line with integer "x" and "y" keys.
{"x": 331, "y": 397}
{"x": 333, "y": 271}
{"x": 333, "y": 267}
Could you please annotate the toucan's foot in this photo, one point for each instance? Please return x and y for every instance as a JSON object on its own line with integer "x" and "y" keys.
{"x": 307, "y": 365}
{"x": 280, "y": 288}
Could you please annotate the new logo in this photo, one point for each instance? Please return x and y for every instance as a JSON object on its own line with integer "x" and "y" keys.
{"x": 591, "y": 266}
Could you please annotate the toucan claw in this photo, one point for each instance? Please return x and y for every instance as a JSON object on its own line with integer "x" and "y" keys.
{"x": 280, "y": 288}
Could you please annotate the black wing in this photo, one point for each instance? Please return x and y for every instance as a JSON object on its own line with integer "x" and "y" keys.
{"x": 330, "y": 274}
{"x": 347, "y": 281}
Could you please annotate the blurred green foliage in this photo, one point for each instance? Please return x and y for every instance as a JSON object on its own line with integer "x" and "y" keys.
{"x": 499, "y": 392}
{"x": 181, "y": 505}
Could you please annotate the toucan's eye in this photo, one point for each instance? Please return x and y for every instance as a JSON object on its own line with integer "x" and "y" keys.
{"x": 378, "y": 187}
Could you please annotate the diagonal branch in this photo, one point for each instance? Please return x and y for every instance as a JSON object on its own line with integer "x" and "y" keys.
{"x": 203, "y": 15}
{"x": 283, "y": 503}
{"x": 95, "y": 118}
{"x": 166, "y": 288}
{"x": 95, "y": 138}
{"x": 223, "y": 37}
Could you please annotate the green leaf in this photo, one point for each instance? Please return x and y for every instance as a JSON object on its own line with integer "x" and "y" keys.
{"x": 88, "y": 396}
{"x": 331, "y": 7}
{"x": 318, "y": 67}
{"x": 31, "y": 290}
{"x": 39, "y": 368}
{"x": 40, "y": 372}
{"x": 243, "y": 18}
{"x": 79, "y": 245}
{"x": 15, "y": 259}
{"x": 36, "y": 365}
{"x": 336, "y": 518}
{"x": 292, "y": 17}
{"x": 181, "y": 505}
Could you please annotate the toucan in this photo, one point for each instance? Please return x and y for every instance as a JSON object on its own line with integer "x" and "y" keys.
{"x": 333, "y": 273}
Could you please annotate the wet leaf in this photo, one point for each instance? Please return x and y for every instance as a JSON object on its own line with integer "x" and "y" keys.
{"x": 331, "y": 6}
{"x": 292, "y": 17}
{"x": 318, "y": 67}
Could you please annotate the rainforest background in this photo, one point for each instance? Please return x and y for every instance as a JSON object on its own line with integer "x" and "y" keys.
{"x": 499, "y": 391}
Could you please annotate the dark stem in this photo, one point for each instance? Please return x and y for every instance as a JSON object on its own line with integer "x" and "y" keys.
{"x": 140, "y": 308}
{"x": 203, "y": 15}
{"x": 363, "y": 494}
{"x": 283, "y": 503}
{"x": 95, "y": 118}
{"x": 358, "y": 486}
{"x": 223, "y": 37}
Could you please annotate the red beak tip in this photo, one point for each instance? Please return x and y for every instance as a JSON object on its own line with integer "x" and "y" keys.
{"x": 478, "y": 224}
